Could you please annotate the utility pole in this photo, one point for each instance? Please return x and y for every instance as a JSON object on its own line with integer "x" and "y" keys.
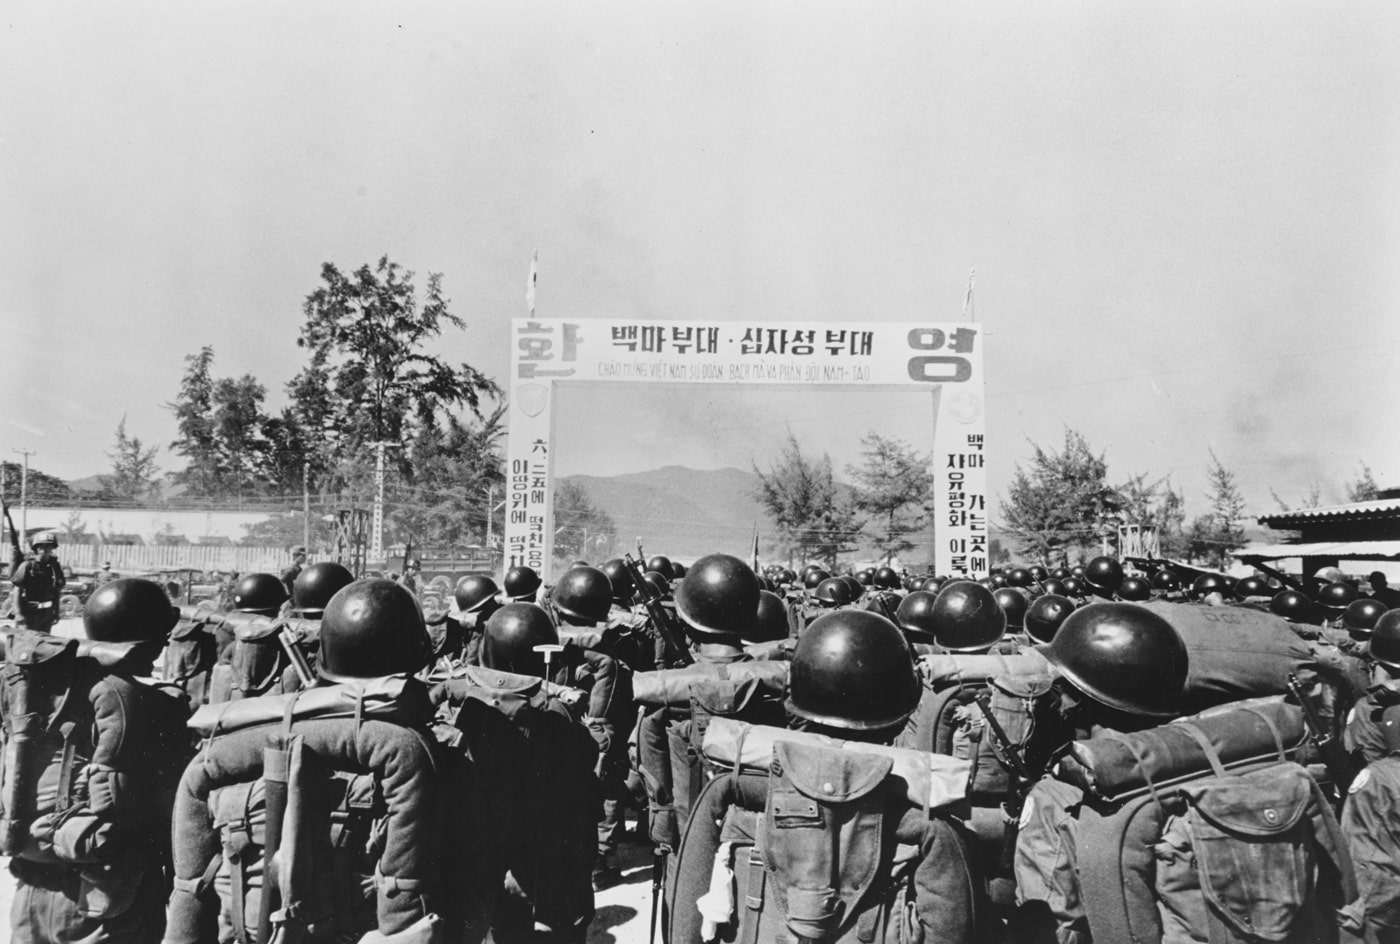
{"x": 490, "y": 514}
{"x": 24, "y": 492}
{"x": 376, "y": 538}
{"x": 306, "y": 506}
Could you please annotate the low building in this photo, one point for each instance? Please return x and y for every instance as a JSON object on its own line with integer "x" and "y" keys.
{"x": 1358, "y": 538}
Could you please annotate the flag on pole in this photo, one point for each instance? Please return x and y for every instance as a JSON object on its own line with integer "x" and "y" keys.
{"x": 530, "y": 285}
{"x": 969, "y": 309}
{"x": 755, "y": 546}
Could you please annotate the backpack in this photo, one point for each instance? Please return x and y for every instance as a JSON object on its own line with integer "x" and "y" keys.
{"x": 534, "y": 826}
{"x": 809, "y": 838}
{"x": 319, "y": 816}
{"x": 258, "y": 662}
{"x": 191, "y": 654}
{"x": 1208, "y": 829}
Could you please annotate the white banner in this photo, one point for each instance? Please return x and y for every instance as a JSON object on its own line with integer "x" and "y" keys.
{"x": 944, "y": 360}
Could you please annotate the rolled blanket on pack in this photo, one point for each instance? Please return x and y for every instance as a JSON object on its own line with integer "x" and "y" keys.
{"x": 932, "y": 780}
{"x": 671, "y": 687}
{"x": 395, "y": 698}
{"x": 950, "y": 668}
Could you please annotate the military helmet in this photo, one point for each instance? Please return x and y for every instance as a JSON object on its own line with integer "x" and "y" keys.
{"x": 787, "y": 577}
{"x": 1074, "y": 586}
{"x": 620, "y": 579}
{"x": 1135, "y": 589}
{"x": 661, "y": 564}
{"x": 886, "y": 578}
{"x": 658, "y": 582}
{"x": 511, "y": 635}
{"x": 1166, "y": 581}
{"x": 833, "y": 591}
{"x": 1019, "y": 577}
{"x": 998, "y": 580}
{"x": 1336, "y": 597}
{"x": 44, "y": 539}
{"x": 1253, "y": 587}
{"x": 316, "y": 584}
{"x": 473, "y": 592}
{"x": 915, "y": 615}
{"x": 1206, "y": 584}
{"x": 1038, "y": 573}
{"x": 771, "y": 623}
{"x": 857, "y": 588}
{"x": 1385, "y": 640}
{"x": 1045, "y": 616}
{"x": 1077, "y": 571}
{"x": 129, "y": 609}
{"x": 966, "y": 617}
{"x": 1053, "y": 585}
{"x": 853, "y": 670}
{"x": 1292, "y": 605}
{"x": 371, "y": 629}
{"x": 584, "y": 593}
{"x": 259, "y": 593}
{"x": 1061, "y": 573}
{"x": 1124, "y": 656}
{"x": 1360, "y": 616}
{"x": 1013, "y": 603}
{"x": 866, "y": 576}
{"x": 521, "y": 583}
{"x": 932, "y": 583}
{"x": 812, "y": 578}
{"x": 719, "y": 596}
{"x": 678, "y": 570}
{"x": 1103, "y": 575}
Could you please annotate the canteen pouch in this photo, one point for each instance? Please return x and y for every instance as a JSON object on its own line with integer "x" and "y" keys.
{"x": 823, "y": 834}
{"x": 1238, "y": 863}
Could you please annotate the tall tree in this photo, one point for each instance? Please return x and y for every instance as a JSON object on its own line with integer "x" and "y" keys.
{"x": 1214, "y": 535}
{"x": 194, "y": 418}
{"x": 454, "y": 478}
{"x": 894, "y": 486}
{"x": 811, "y": 514}
{"x": 40, "y": 489}
{"x": 1364, "y": 488}
{"x": 1063, "y": 502}
{"x": 238, "y": 421}
{"x": 134, "y": 470}
{"x": 370, "y": 376}
{"x": 582, "y": 529}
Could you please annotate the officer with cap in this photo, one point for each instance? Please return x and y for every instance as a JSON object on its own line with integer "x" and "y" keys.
{"x": 38, "y": 583}
{"x": 1119, "y": 668}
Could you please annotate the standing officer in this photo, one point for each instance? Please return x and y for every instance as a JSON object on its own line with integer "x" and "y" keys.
{"x": 38, "y": 582}
{"x": 289, "y": 576}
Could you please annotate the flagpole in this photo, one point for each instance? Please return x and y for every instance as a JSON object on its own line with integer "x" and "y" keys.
{"x": 530, "y": 285}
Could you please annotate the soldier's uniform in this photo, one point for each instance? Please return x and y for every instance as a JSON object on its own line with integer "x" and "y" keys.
{"x": 38, "y": 583}
{"x": 1371, "y": 823}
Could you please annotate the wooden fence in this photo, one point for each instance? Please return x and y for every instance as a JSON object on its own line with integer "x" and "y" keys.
{"x": 135, "y": 558}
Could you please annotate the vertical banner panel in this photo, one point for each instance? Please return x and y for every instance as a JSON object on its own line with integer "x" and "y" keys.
{"x": 941, "y": 360}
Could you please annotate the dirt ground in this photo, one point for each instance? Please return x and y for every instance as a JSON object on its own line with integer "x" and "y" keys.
{"x": 622, "y": 912}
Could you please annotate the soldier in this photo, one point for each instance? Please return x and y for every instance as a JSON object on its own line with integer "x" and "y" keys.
{"x": 88, "y": 801}
{"x": 521, "y": 584}
{"x": 289, "y": 576}
{"x": 1104, "y": 576}
{"x": 1363, "y": 737}
{"x": 105, "y": 575}
{"x": 1371, "y": 823}
{"x": 1382, "y": 591}
{"x": 477, "y": 599}
{"x": 1120, "y": 668}
{"x": 967, "y": 619}
{"x": 38, "y": 582}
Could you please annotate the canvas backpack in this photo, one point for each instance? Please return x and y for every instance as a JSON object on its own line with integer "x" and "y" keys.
{"x": 1208, "y": 829}
{"x": 257, "y": 662}
{"x": 319, "y": 816}
{"x": 191, "y": 653}
{"x": 804, "y": 837}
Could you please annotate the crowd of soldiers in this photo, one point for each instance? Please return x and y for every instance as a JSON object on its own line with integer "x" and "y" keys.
{"x": 1094, "y": 753}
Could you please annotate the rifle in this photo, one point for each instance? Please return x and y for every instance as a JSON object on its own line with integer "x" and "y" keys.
{"x": 1022, "y": 780}
{"x": 1331, "y": 751}
{"x": 658, "y": 878}
{"x": 16, "y": 552}
{"x": 290, "y": 645}
{"x": 651, "y": 599}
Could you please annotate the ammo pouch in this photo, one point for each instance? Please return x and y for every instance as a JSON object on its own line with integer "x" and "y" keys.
{"x": 824, "y": 833}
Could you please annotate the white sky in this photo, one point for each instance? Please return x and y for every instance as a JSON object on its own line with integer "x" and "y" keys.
{"x": 1184, "y": 216}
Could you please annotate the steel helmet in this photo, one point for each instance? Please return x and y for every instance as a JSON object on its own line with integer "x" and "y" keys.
{"x": 866, "y": 576}
{"x": 661, "y": 564}
{"x": 620, "y": 579}
{"x": 316, "y": 584}
{"x": 1013, "y": 603}
{"x": 833, "y": 591}
{"x": 812, "y": 579}
{"x": 1074, "y": 586}
{"x": 1019, "y": 577}
{"x": 1166, "y": 581}
{"x": 1103, "y": 575}
{"x": 966, "y": 617}
{"x": 1124, "y": 656}
{"x": 856, "y": 587}
{"x": 511, "y": 635}
{"x": 787, "y": 577}
{"x": 998, "y": 580}
{"x": 915, "y": 615}
{"x": 1360, "y": 616}
{"x": 1077, "y": 571}
{"x": 1206, "y": 584}
{"x": 1046, "y": 614}
{"x": 932, "y": 583}
{"x": 1135, "y": 589}
{"x": 1292, "y": 605}
{"x": 521, "y": 583}
{"x": 718, "y": 597}
{"x": 44, "y": 539}
{"x": 886, "y": 578}
{"x": 1039, "y": 573}
{"x": 371, "y": 629}
{"x": 658, "y": 582}
{"x": 1054, "y": 585}
{"x": 771, "y": 623}
{"x": 1336, "y": 597}
{"x": 1061, "y": 573}
{"x": 1253, "y": 587}
{"x": 584, "y": 593}
{"x": 678, "y": 570}
{"x": 853, "y": 670}
{"x": 1385, "y": 640}
{"x": 473, "y": 592}
{"x": 259, "y": 593}
{"x": 129, "y": 609}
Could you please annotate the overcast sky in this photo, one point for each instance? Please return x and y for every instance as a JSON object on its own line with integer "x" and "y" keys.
{"x": 1184, "y": 217}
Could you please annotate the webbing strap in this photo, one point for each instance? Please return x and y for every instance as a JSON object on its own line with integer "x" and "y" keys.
{"x": 753, "y": 899}
{"x": 1142, "y": 765}
{"x": 66, "y": 767}
{"x": 1207, "y": 748}
{"x": 1273, "y": 729}
{"x": 238, "y": 887}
